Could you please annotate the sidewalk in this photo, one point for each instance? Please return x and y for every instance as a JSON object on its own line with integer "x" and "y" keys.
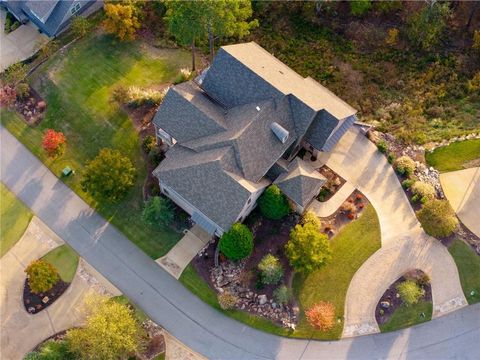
{"x": 327, "y": 208}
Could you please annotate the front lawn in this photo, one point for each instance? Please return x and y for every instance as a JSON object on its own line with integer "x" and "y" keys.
{"x": 77, "y": 86}
{"x": 351, "y": 247}
{"x": 14, "y": 219}
{"x": 468, "y": 264}
{"x": 65, "y": 260}
{"x": 454, "y": 156}
{"x": 406, "y": 316}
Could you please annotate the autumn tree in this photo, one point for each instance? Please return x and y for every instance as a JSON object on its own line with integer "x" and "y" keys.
{"x": 80, "y": 26}
{"x": 54, "y": 143}
{"x": 8, "y": 96}
{"x": 111, "y": 331}
{"x": 321, "y": 315}
{"x": 109, "y": 175}
{"x": 42, "y": 276}
{"x": 121, "y": 19}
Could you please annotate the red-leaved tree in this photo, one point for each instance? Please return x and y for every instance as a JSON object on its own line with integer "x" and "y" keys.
{"x": 8, "y": 95}
{"x": 54, "y": 143}
{"x": 321, "y": 315}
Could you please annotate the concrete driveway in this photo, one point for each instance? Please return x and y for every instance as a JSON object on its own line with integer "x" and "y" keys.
{"x": 20, "y": 44}
{"x": 462, "y": 189}
{"x": 405, "y": 245}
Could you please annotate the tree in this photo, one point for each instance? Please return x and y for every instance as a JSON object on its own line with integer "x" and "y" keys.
{"x": 425, "y": 28}
{"x": 271, "y": 269}
{"x": 410, "y": 292}
{"x": 308, "y": 249}
{"x": 237, "y": 243}
{"x": 16, "y": 73}
{"x": 360, "y": 7}
{"x": 8, "y": 96}
{"x": 54, "y": 143}
{"x": 42, "y": 276}
{"x": 192, "y": 22}
{"x": 311, "y": 218}
{"x": 111, "y": 331}
{"x": 121, "y": 19}
{"x": 158, "y": 211}
{"x": 321, "y": 315}
{"x": 109, "y": 176}
{"x": 80, "y": 26}
{"x": 438, "y": 218}
{"x": 48, "y": 49}
{"x": 273, "y": 204}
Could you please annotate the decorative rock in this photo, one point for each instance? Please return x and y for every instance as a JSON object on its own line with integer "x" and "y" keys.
{"x": 385, "y": 304}
{"x": 31, "y": 309}
{"x": 262, "y": 299}
{"x": 45, "y": 299}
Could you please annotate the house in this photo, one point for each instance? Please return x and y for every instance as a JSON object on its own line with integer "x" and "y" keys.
{"x": 237, "y": 128}
{"x": 50, "y": 16}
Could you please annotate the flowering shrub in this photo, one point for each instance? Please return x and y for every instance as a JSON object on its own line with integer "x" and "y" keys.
{"x": 321, "y": 315}
{"x": 54, "y": 143}
{"x": 8, "y": 95}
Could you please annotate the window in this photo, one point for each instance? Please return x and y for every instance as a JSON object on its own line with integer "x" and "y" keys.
{"x": 75, "y": 8}
{"x": 249, "y": 201}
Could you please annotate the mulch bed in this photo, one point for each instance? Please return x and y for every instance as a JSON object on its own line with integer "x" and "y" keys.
{"x": 32, "y": 108}
{"x": 331, "y": 176}
{"x": 34, "y": 302}
{"x": 395, "y": 302}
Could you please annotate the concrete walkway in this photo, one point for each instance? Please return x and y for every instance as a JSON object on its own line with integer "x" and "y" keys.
{"x": 20, "y": 44}
{"x": 405, "y": 245}
{"x": 462, "y": 189}
{"x": 184, "y": 251}
{"x": 327, "y": 208}
{"x": 193, "y": 322}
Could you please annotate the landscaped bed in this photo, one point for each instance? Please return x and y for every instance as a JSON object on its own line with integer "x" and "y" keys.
{"x": 333, "y": 184}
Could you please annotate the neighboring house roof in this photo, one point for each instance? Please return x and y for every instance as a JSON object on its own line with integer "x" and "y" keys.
{"x": 301, "y": 183}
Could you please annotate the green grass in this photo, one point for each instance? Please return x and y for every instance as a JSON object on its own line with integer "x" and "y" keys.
{"x": 77, "y": 87}
{"x": 408, "y": 316}
{"x": 139, "y": 314}
{"x": 351, "y": 247}
{"x": 14, "y": 219}
{"x": 65, "y": 260}
{"x": 468, "y": 264}
{"x": 453, "y": 156}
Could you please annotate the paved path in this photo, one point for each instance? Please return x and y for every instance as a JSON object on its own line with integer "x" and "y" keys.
{"x": 404, "y": 244}
{"x": 462, "y": 189}
{"x": 327, "y": 208}
{"x": 187, "y": 318}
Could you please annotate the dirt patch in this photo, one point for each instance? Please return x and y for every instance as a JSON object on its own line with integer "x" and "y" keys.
{"x": 35, "y": 303}
{"x": 391, "y": 301}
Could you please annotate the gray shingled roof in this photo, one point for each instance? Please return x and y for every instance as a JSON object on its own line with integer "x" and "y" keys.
{"x": 322, "y": 126}
{"x": 301, "y": 183}
{"x": 42, "y": 8}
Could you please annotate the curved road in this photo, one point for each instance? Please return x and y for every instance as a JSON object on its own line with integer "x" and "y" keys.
{"x": 193, "y": 322}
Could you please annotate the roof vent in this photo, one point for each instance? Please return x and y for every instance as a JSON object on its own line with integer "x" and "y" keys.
{"x": 280, "y": 132}
{"x": 258, "y": 108}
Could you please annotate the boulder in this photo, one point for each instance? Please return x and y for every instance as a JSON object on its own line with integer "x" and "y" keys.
{"x": 262, "y": 299}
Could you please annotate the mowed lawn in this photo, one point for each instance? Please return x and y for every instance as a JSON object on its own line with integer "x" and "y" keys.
{"x": 406, "y": 316}
{"x": 351, "y": 247}
{"x": 468, "y": 264}
{"x": 14, "y": 219}
{"x": 452, "y": 157}
{"x": 77, "y": 86}
{"x": 65, "y": 260}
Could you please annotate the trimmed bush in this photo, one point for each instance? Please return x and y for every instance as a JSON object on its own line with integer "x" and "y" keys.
{"x": 158, "y": 212}
{"x": 423, "y": 190}
{"x": 237, "y": 243}
{"x": 309, "y": 217}
{"x": 149, "y": 143}
{"x": 227, "y": 300}
{"x": 281, "y": 295}
{"x": 407, "y": 184}
{"x": 321, "y": 315}
{"x": 273, "y": 204}
{"x": 410, "y": 292}
{"x": 271, "y": 269}
{"x": 382, "y": 146}
{"x": 42, "y": 276}
{"x": 404, "y": 165}
{"x": 438, "y": 218}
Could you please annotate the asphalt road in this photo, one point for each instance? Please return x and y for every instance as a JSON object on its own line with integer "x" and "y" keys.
{"x": 167, "y": 302}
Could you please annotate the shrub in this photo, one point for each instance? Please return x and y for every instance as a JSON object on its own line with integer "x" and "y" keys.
{"x": 137, "y": 96}
{"x": 16, "y": 73}
{"x": 406, "y": 184}
{"x": 185, "y": 75}
{"x": 237, "y": 243}
{"x": 404, "y": 165}
{"x": 227, "y": 300}
{"x": 156, "y": 156}
{"x": 321, "y": 315}
{"x": 54, "y": 143}
{"x": 309, "y": 217}
{"x": 120, "y": 95}
{"x": 80, "y": 26}
{"x": 360, "y": 7}
{"x": 53, "y": 350}
{"x": 392, "y": 37}
{"x": 158, "y": 212}
{"x": 42, "y": 276}
{"x": 23, "y": 90}
{"x": 348, "y": 207}
{"x": 149, "y": 142}
{"x": 476, "y": 40}
{"x": 281, "y": 295}
{"x": 8, "y": 96}
{"x": 423, "y": 190}
{"x": 271, "y": 269}
{"x": 410, "y": 292}
{"x": 307, "y": 249}
{"x": 382, "y": 146}
{"x": 109, "y": 175}
{"x": 473, "y": 85}
{"x": 273, "y": 204}
{"x": 438, "y": 218}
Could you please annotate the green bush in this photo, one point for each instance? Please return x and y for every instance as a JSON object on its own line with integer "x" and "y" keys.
{"x": 438, "y": 218}
{"x": 382, "y": 146}
{"x": 237, "y": 243}
{"x": 422, "y": 190}
{"x": 149, "y": 143}
{"x": 404, "y": 165}
{"x": 391, "y": 158}
{"x": 410, "y": 292}
{"x": 281, "y": 295}
{"x": 53, "y": 350}
{"x": 406, "y": 184}
{"x": 270, "y": 269}
{"x": 360, "y": 7}
{"x": 273, "y": 204}
{"x": 42, "y": 276}
{"x": 226, "y": 300}
{"x": 158, "y": 212}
